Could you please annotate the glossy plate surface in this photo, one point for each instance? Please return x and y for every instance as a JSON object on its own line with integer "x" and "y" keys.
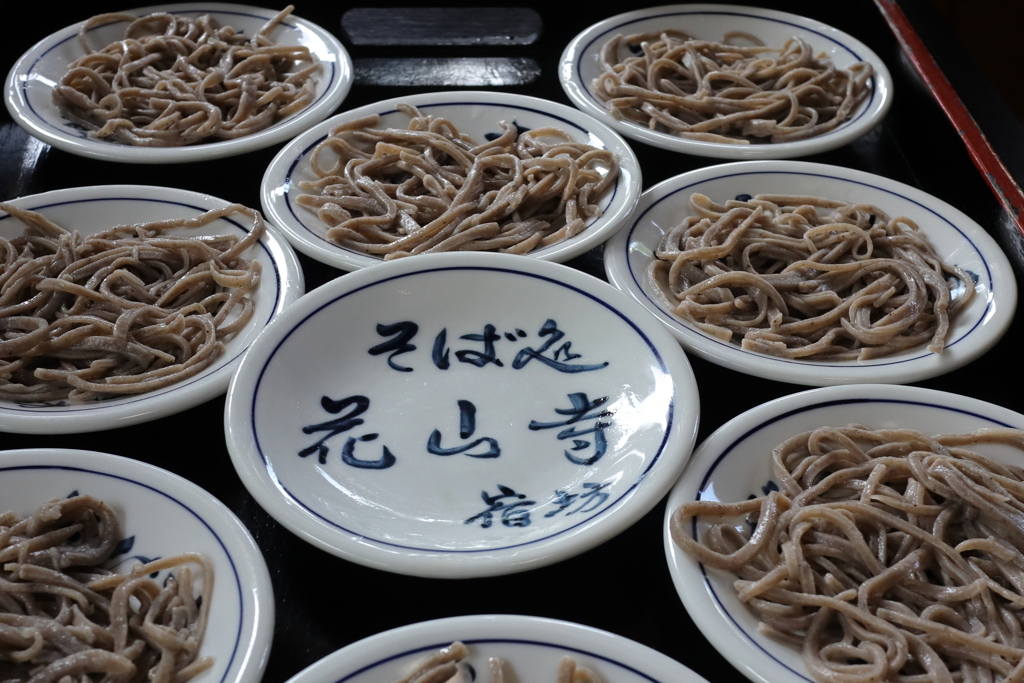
{"x": 581, "y": 64}
{"x": 96, "y": 209}
{"x": 30, "y": 84}
{"x": 458, "y": 415}
{"x": 161, "y": 515}
{"x": 736, "y": 462}
{"x": 531, "y": 647}
{"x": 476, "y": 114}
{"x": 956, "y": 238}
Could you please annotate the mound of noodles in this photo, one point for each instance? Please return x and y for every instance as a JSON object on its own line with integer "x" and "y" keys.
{"x": 397, "y": 192}
{"x": 174, "y": 80}
{"x": 722, "y": 92}
{"x": 808, "y": 277}
{"x": 125, "y": 311}
{"x": 443, "y": 666}
{"x": 64, "y": 617}
{"x": 885, "y": 555}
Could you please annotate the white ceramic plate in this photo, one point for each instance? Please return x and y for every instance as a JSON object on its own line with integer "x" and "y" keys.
{"x": 956, "y": 238}
{"x": 735, "y": 462}
{"x": 580, "y": 64}
{"x": 95, "y": 209}
{"x": 160, "y": 515}
{"x": 531, "y": 647}
{"x": 475, "y": 114}
{"x": 457, "y": 415}
{"x": 31, "y": 81}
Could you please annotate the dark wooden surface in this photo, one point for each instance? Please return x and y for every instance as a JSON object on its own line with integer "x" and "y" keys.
{"x": 324, "y": 603}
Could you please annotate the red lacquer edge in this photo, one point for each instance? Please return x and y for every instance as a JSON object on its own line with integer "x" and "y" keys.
{"x": 980, "y": 149}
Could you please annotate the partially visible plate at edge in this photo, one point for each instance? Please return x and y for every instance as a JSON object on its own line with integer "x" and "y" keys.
{"x": 98, "y": 208}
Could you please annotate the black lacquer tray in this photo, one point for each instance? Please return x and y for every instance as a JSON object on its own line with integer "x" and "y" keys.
{"x": 324, "y": 603}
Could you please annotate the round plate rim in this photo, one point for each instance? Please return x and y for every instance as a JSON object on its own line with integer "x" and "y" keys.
{"x": 252, "y": 575}
{"x": 578, "y": 92}
{"x": 134, "y": 409}
{"x": 273, "y": 188}
{"x": 335, "y": 667}
{"x": 281, "y": 131}
{"x": 821, "y": 373}
{"x": 738, "y": 646}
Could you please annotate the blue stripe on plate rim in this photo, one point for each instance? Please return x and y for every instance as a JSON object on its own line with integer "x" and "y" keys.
{"x": 83, "y": 407}
{"x": 775, "y": 418}
{"x": 305, "y": 152}
{"x": 234, "y": 569}
{"x": 277, "y": 482}
{"x": 81, "y": 134}
{"x": 499, "y": 641}
{"x": 735, "y": 347}
{"x": 599, "y": 103}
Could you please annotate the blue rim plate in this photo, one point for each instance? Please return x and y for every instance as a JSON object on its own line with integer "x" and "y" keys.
{"x": 736, "y": 462}
{"x": 475, "y": 114}
{"x": 99, "y": 208}
{"x": 957, "y": 239}
{"x": 530, "y": 646}
{"x": 162, "y": 514}
{"x": 458, "y": 415}
{"x": 580, "y": 64}
{"x": 30, "y": 83}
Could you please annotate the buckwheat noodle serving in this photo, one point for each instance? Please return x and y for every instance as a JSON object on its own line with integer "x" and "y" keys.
{"x": 124, "y": 311}
{"x": 175, "y": 80}
{"x": 808, "y": 277}
{"x": 444, "y": 665}
{"x": 885, "y": 555}
{"x": 725, "y": 92}
{"x": 427, "y": 188}
{"x": 64, "y": 617}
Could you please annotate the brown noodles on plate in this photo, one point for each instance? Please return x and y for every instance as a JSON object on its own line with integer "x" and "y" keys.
{"x": 65, "y": 617}
{"x": 808, "y": 278}
{"x": 443, "y": 666}
{"x": 427, "y": 188}
{"x": 175, "y": 80}
{"x": 727, "y": 92}
{"x": 125, "y": 311}
{"x": 884, "y": 555}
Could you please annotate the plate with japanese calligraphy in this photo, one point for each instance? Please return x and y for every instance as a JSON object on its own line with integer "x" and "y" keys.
{"x": 459, "y": 415}
{"x": 980, "y": 289}
{"x": 528, "y": 649}
{"x": 384, "y": 205}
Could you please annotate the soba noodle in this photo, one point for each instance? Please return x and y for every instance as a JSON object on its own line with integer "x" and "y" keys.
{"x": 886, "y": 555}
{"x": 64, "y": 617}
{"x": 806, "y": 277}
{"x": 175, "y": 80}
{"x": 721, "y": 92}
{"x": 443, "y": 666}
{"x": 428, "y": 188}
{"x": 125, "y": 311}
